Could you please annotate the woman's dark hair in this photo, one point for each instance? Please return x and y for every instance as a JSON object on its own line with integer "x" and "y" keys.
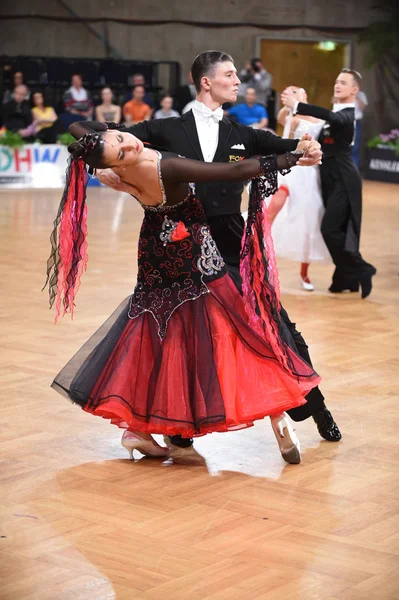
{"x": 89, "y": 148}
{"x": 45, "y": 103}
{"x": 205, "y": 63}
{"x": 106, "y": 87}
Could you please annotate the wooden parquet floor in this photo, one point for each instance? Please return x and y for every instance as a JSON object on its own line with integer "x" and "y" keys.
{"x": 80, "y": 521}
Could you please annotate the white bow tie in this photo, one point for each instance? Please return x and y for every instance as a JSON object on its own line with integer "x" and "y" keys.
{"x": 208, "y": 114}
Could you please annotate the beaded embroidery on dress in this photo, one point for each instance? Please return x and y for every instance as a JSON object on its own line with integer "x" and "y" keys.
{"x": 168, "y": 272}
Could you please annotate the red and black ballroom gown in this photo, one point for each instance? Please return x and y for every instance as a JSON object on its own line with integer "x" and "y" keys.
{"x": 188, "y": 353}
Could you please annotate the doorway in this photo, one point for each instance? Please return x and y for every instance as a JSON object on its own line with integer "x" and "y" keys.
{"x": 310, "y": 64}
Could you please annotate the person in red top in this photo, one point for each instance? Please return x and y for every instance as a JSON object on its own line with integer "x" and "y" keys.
{"x": 136, "y": 110}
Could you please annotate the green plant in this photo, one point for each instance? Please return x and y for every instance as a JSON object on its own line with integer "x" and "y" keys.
{"x": 390, "y": 139}
{"x": 381, "y": 45}
{"x": 11, "y": 139}
{"x": 66, "y": 139}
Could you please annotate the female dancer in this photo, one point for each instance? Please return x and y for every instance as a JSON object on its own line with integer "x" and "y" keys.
{"x": 296, "y": 222}
{"x": 187, "y": 353}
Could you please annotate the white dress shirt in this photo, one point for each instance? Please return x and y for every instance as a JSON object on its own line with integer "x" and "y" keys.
{"x": 207, "y": 123}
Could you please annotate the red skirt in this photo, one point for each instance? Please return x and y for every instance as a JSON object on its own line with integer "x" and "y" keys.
{"x": 211, "y": 372}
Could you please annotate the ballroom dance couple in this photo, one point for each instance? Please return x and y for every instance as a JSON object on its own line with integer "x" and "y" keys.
{"x": 203, "y": 344}
{"x": 341, "y": 190}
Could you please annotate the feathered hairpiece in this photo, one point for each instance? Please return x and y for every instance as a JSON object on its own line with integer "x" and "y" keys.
{"x": 68, "y": 256}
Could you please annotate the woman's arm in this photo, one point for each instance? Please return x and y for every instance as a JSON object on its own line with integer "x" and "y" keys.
{"x": 99, "y": 113}
{"x": 80, "y": 128}
{"x": 282, "y": 115}
{"x": 52, "y": 117}
{"x": 180, "y": 170}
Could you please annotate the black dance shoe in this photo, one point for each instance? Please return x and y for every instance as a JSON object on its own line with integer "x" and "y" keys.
{"x": 335, "y": 288}
{"x": 366, "y": 284}
{"x": 326, "y": 425}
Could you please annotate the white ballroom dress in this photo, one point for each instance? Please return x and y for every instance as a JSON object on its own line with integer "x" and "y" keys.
{"x": 296, "y": 228}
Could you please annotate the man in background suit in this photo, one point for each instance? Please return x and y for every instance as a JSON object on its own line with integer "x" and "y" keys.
{"x": 205, "y": 134}
{"x": 341, "y": 184}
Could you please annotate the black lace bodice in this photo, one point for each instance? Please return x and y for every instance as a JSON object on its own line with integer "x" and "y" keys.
{"x": 176, "y": 258}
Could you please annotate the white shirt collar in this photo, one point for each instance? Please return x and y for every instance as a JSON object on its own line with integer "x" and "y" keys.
{"x": 204, "y": 113}
{"x": 338, "y": 107}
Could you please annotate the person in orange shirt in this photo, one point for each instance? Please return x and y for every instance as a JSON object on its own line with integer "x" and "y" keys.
{"x": 136, "y": 110}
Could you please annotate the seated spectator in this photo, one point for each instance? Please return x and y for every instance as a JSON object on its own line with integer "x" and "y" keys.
{"x": 254, "y": 75}
{"x": 139, "y": 79}
{"x": 127, "y": 120}
{"x": 77, "y": 100}
{"x": 250, "y": 113}
{"x": 45, "y": 120}
{"x": 166, "y": 111}
{"x": 107, "y": 111}
{"x": 136, "y": 108}
{"x": 18, "y": 79}
{"x": 17, "y": 116}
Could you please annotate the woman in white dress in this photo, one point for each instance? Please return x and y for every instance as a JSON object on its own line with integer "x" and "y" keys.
{"x": 296, "y": 210}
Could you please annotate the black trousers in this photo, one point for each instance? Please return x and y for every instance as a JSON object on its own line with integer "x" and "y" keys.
{"x": 314, "y": 399}
{"x": 350, "y": 267}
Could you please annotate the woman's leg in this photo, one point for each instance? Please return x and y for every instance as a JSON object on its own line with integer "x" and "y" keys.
{"x": 277, "y": 202}
{"x": 286, "y": 438}
{"x": 143, "y": 442}
{"x": 305, "y": 281}
{"x": 304, "y": 271}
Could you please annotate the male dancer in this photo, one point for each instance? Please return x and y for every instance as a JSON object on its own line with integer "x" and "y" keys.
{"x": 341, "y": 184}
{"x": 204, "y": 134}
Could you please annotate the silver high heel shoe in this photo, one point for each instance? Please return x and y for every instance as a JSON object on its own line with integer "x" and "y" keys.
{"x": 286, "y": 439}
{"x": 133, "y": 441}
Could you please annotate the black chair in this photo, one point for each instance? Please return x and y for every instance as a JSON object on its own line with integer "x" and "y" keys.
{"x": 58, "y": 72}
{"x": 88, "y": 69}
{"x": 32, "y": 68}
{"x": 114, "y": 73}
{"x": 145, "y": 68}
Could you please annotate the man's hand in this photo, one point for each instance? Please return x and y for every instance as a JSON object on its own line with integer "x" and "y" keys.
{"x": 112, "y": 180}
{"x": 288, "y": 98}
{"x": 312, "y": 150}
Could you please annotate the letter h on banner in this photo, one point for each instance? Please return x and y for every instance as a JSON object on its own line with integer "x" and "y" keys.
{"x": 20, "y": 159}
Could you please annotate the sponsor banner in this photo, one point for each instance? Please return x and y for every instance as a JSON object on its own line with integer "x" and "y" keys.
{"x": 34, "y": 166}
{"x": 383, "y": 165}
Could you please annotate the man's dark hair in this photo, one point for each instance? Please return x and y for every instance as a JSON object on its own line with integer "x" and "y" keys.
{"x": 355, "y": 74}
{"x": 205, "y": 63}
